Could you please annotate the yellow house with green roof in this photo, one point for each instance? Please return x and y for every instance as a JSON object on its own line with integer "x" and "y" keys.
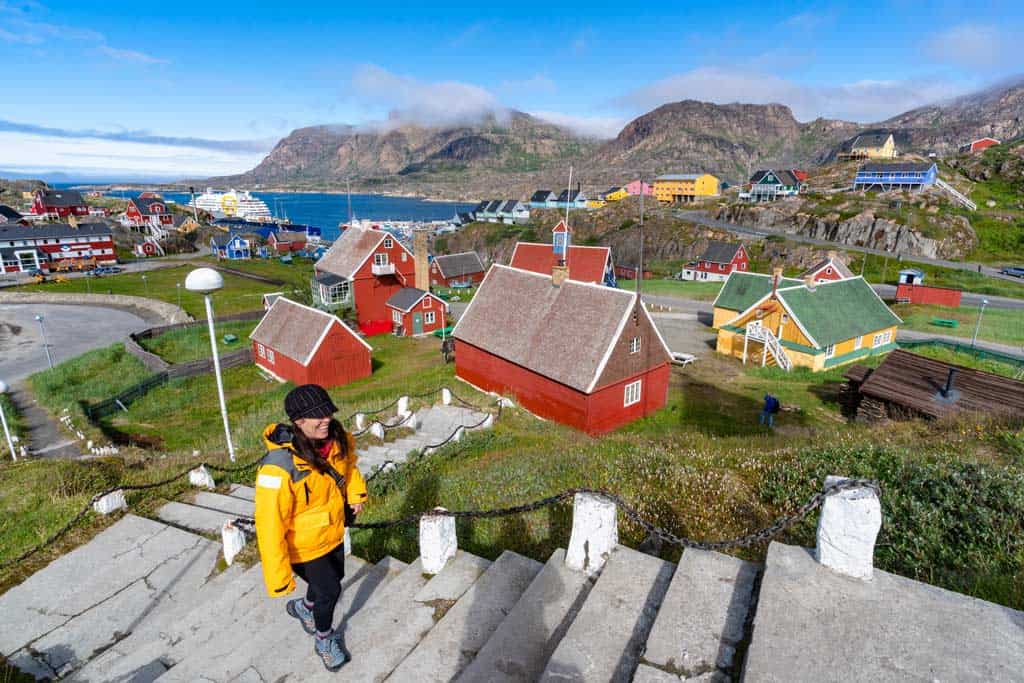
{"x": 791, "y": 323}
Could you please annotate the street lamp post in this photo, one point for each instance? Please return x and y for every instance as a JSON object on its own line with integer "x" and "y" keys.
{"x": 3, "y": 419}
{"x": 46, "y": 346}
{"x": 145, "y": 283}
{"x": 205, "y": 281}
{"x": 977, "y": 326}
{"x": 178, "y": 286}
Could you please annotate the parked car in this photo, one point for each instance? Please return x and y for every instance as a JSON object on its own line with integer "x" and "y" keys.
{"x": 1015, "y": 271}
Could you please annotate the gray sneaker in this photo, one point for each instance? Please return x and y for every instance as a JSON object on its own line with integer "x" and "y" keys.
{"x": 297, "y": 608}
{"x": 330, "y": 651}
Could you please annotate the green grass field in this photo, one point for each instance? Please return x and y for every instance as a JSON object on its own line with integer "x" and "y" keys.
{"x": 684, "y": 289}
{"x": 968, "y": 360}
{"x": 1000, "y": 325}
{"x": 193, "y": 343}
{"x": 880, "y": 270}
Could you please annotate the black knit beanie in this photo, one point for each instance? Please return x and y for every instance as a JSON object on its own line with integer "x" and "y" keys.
{"x": 308, "y": 400}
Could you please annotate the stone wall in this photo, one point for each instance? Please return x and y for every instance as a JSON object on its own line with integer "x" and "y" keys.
{"x": 169, "y": 313}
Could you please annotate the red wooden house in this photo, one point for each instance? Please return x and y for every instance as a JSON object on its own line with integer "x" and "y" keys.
{"x": 59, "y": 203}
{"x": 718, "y": 260}
{"x": 625, "y": 271}
{"x": 364, "y": 268}
{"x": 828, "y": 268}
{"x": 40, "y": 247}
{"x": 462, "y": 268}
{"x": 586, "y": 264}
{"x": 415, "y": 312}
{"x": 287, "y": 241}
{"x": 145, "y": 212}
{"x": 577, "y": 353}
{"x": 978, "y": 145}
{"x": 923, "y": 294}
{"x": 303, "y": 345}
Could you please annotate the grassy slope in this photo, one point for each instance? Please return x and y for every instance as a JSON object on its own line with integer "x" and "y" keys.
{"x": 968, "y": 360}
{"x": 1001, "y": 325}
{"x": 193, "y": 343}
{"x": 695, "y": 291}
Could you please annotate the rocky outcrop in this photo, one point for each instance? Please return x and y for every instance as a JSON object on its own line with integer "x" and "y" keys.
{"x": 862, "y": 230}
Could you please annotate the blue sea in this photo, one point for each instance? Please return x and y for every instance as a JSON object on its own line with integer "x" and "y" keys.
{"x": 326, "y": 211}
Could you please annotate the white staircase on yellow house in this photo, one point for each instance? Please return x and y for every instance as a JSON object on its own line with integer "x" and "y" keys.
{"x": 771, "y": 349}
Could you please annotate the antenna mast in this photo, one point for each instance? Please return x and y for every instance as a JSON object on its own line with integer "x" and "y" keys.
{"x": 640, "y": 267}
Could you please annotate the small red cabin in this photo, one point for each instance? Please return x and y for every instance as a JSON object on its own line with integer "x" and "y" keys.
{"x": 978, "y": 145}
{"x": 143, "y": 211}
{"x": 415, "y": 312}
{"x": 718, "y": 260}
{"x": 629, "y": 272}
{"x": 303, "y": 345}
{"x": 287, "y": 241}
{"x": 580, "y": 354}
{"x": 827, "y": 269}
{"x": 463, "y": 268}
{"x": 921, "y": 294}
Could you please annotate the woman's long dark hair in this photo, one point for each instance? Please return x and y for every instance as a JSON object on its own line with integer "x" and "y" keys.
{"x": 309, "y": 449}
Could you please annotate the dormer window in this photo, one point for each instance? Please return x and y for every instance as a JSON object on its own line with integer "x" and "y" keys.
{"x": 634, "y": 345}
{"x": 388, "y": 243}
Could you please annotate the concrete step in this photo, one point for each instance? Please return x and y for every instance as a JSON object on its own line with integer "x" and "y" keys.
{"x": 520, "y": 647}
{"x": 815, "y": 624}
{"x": 221, "y": 503}
{"x": 63, "y": 615}
{"x": 199, "y": 519}
{"x": 606, "y": 639}
{"x": 243, "y": 492}
{"x": 454, "y": 641}
{"x": 703, "y": 615}
{"x": 263, "y": 629}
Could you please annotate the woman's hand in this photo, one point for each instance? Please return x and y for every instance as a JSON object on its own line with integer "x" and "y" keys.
{"x": 357, "y": 508}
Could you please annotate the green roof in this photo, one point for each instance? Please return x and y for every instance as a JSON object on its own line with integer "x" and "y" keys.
{"x": 837, "y": 311}
{"x": 742, "y": 290}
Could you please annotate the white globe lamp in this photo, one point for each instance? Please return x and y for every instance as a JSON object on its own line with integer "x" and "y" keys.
{"x": 204, "y": 280}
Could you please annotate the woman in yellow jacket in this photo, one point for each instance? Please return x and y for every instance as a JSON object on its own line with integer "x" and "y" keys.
{"x": 304, "y": 483}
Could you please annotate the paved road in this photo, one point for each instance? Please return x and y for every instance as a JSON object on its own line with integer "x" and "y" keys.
{"x": 70, "y": 331}
{"x": 703, "y": 218}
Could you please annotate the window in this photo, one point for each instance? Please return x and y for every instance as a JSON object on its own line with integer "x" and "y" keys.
{"x": 429, "y": 317}
{"x": 396, "y": 316}
{"x": 881, "y": 339}
{"x": 405, "y": 257}
{"x": 262, "y": 350}
{"x": 380, "y": 259}
{"x": 830, "y": 351}
{"x": 270, "y": 355}
{"x": 634, "y": 345}
{"x": 426, "y": 302}
{"x": 858, "y": 342}
{"x": 828, "y": 271}
{"x": 632, "y": 394}
{"x": 743, "y": 266}
{"x": 388, "y": 243}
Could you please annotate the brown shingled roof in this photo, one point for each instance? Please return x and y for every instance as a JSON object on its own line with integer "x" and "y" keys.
{"x": 296, "y": 330}
{"x": 564, "y": 333}
{"x": 350, "y": 251}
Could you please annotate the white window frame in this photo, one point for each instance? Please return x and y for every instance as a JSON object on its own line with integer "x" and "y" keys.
{"x": 634, "y": 345}
{"x": 429, "y": 318}
{"x": 631, "y": 393}
{"x": 830, "y": 351}
{"x": 262, "y": 350}
{"x": 858, "y": 343}
{"x": 405, "y": 257}
{"x": 876, "y": 341}
{"x": 270, "y": 356}
{"x": 396, "y": 316}
{"x": 389, "y": 243}
{"x": 380, "y": 259}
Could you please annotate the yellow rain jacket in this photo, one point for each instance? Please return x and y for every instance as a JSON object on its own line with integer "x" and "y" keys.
{"x": 300, "y": 513}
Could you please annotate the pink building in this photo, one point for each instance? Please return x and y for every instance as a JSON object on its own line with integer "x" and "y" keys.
{"x": 633, "y": 188}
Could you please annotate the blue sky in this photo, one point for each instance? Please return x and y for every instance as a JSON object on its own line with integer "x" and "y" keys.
{"x": 206, "y": 88}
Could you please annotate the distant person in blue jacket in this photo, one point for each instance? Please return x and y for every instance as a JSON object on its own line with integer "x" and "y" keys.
{"x": 771, "y": 406}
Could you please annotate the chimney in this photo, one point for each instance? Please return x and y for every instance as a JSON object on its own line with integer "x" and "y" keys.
{"x": 809, "y": 281}
{"x": 833, "y": 254}
{"x": 949, "y": 383}
{"x": 419, "y": 257}
{"x": 559, "y": 274}
{"x": 776, "y": 279}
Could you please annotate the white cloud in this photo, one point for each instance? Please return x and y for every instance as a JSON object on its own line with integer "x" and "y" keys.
{"x": 129, "y": 55}
{"x": 603, "y": 127}
{"x": 971, "y": 45}
{"x": 863, "y": 101}
{"x": 425, "y": 102}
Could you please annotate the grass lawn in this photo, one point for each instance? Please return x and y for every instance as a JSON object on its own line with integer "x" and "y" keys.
{"x": 1000, "y": 325}
{"x": 878, "y": 269}
{"x": 967, "y": 360}
{"x": 15, "y": 423}
{"x": 684, "y": 289}
{"x": 238, "y": 295}
{"x": 193, "y": 343}
{"x": 299, "y": 270}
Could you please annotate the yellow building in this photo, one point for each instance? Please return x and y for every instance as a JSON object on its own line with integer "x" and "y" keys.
{"x": 686, "y": 187}
{"x": 870, "y": 146}
{"x": 813, "y": 325}
{"x": 614, "y": 194}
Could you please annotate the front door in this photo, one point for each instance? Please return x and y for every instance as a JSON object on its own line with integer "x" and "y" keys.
{"x": 417, "y": 323}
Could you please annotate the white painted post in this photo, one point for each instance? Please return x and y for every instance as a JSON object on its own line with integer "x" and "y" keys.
{"x": 377, "y": 430}
{"x": 506, "y": 402}
{"x": 112, "y": 502}
{"x": 487, "y": 423}
{"x": 446, "y": 396}
{"x": 348, "y": 542}
{"x": 458, "y": 433}
{"x": 595, "y": 533}
{"x": 403, "y": 406}
{"x": 847, "y": 530}
{"x": 360, "y": 422}
{"x": 438, "y": 542}
{"x": 233, "y": 541}
{"x": 202, "y": 478}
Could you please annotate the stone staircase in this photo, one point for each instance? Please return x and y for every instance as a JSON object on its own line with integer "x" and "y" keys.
{"x": 143, "y": 602}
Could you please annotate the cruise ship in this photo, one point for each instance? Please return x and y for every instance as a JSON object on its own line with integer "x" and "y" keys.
{"x": 234, "y": 203}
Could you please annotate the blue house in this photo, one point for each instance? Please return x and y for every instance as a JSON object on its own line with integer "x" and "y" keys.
{"x": 896, "y": 176}
{"x": 232, "y": 247}
{"x": 573, "y": 199}
{"x": 542, "y": 199}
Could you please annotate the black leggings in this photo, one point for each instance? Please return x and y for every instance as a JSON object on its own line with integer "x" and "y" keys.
{"x": 323, "y": 578}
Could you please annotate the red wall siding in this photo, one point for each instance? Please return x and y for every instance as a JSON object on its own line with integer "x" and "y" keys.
{"x": 595, "y": 414}
{"x": 824, "y": 275}
{"x": 283, "y": 366}
{"x": 439, "y": 317}
{"x": 340, "y": 359}
{"x": 920, "y": 294}
{"x": 372, "y": 294}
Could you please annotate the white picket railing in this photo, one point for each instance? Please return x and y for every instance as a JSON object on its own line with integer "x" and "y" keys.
{"x": 771, "y": 344}
{"x": 959, "y": 196}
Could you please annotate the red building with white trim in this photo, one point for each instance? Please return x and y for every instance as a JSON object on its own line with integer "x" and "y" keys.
{"x": 287, "y": 241}
{"x": 59, "y": 203}
{"x": 581, "y": 354}
{"x": 586, "y": 264}
{"x": 462, "y": 268}
{"x": 363, "y": 269}
{"x": 828, "y": 269}
{"x": 415, "y": 312}
{"x": 718, "y": 260}
{"x": 24, "y": 248}
{"x": 303, "y": 345}
{"x": 144, "y": 212}
{"x": 978, "y": 145}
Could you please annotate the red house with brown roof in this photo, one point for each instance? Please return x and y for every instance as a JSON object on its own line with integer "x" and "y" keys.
{"x": 415, "y": 312}
{"x": 59, "y": 203}
{"x": 462, "y": 268}
{"x": 586, "y": 264}
{"x": 577, "y": 353}
{"x": 287, "y": 241}
{"x": 303, "y": 345}
{"x": 363, "y": 269}
{"x": 828, "y": 269}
